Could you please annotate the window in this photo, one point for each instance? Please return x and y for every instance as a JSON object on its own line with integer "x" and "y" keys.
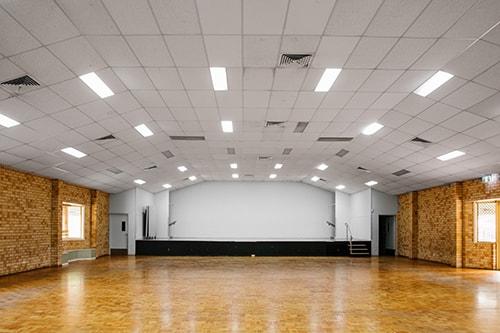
{"x": 72, "y": 221}
{"x": 486, "y": 221}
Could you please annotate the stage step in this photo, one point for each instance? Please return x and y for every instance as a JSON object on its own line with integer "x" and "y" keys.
{"x": 358, "y": 250}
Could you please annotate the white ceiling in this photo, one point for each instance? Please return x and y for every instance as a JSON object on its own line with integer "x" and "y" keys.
{"x": 155, "y": 56}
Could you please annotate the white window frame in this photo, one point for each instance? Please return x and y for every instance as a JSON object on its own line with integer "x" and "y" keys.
{"x": 82, "y": 222}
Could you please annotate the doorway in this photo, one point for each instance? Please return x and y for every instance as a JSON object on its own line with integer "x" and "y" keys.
{"x": 387, "y": 235}
{"x": 118, "y": 234}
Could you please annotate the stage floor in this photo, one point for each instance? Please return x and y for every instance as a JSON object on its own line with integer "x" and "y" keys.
{"x": 262, "y": 294}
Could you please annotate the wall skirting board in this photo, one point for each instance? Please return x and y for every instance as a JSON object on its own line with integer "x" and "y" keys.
{"x": 243, "y": 248}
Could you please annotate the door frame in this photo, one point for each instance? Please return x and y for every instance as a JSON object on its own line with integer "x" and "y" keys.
{"x": 119, "y": 251}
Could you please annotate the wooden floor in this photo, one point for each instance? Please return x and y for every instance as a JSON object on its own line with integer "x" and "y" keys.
{"x": 236, "y": 294}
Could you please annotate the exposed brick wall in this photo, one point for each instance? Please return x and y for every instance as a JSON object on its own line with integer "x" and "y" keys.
{"x": 445, "y": 224}
{"x": 31, "y": 218}
{"x": 25, "y": 221}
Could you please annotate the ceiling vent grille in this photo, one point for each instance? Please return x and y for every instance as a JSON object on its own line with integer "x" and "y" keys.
{"x": 23, "y": 81}
{"x": 167, "y": 154}
{"x": 334, "y": 139}
{"x": 342, "y": 153}
{"x": 187, "y": 138}
{"x": 249, "y": 175}
{"x": 287, "y": 151}
{"x": 421, "y": 142}
{"x": 360, "y": 168}
{"x": 152, "y": 167}
{"x": 301, "y": 127}
{"x": 265, "y": 158}
{"x": 401, "y": 172}
{"x": 107, "y": 137}
{"x": 114, "y": 170}
{"x": 231, "y": 151}
{"x": 275, "y": 124}
{"x": 295, "y": 60}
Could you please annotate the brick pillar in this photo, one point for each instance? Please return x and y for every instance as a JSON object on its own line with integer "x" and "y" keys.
{"x": 56, "y": 224}
{"x": 414, "y": 225}
{"x": 459, "y": 239}
{"x": 93, "y": 218}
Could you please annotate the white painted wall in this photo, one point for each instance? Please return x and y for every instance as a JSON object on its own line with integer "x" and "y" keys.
{"x": 342, "y": 213}
{"x": 142, "y": 199}
{"x": 124, "y": 203}
{"x": 162, "y": 205}
{"x": 251, "y": 210}
{"x": 382, "y": 204}
{"x": 360, "y": 215}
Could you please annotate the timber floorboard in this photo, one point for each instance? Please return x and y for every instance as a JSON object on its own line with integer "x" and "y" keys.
{"x": 244, "y": 294}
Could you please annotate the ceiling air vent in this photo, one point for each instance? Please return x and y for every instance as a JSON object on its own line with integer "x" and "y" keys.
{"x": 249, "y": 175}
{"x": 114, "y": 170}
{"x": 167, "y": 154}
{"x": 360, "y": 168}
{"x": 421, "y": 142}
{"x": 107, "y": 137}
{"x": 401, "y": 172}
{"x": 187, "y": 138}
{"x": 295, "y": 60}
{"x": 287, "y": 151}
{"x": 275, "y": 124}
{"x": 334, "y": 139}
{"x": 301, "y": 127}
{"x": 265, "y": 158}
{"x": 150, "y": 167}
{"x": 231, "y": 151}
{"x": 342, "y": 152}
{"x": 21, "y": 81}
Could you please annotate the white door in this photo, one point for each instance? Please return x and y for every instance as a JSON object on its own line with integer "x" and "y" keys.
{"x": 118, "y": 231}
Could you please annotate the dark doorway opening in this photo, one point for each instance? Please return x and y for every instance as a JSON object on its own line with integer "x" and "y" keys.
{"x": 387, "y": 235}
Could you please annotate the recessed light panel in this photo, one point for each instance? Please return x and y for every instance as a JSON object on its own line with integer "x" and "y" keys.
{"x": 327, "y": 79}
{"x": 73, "y": 152}
{"x": 96, "y": 84}
{"x": 233, "y": 166}
{"x": 192, "y": 178}
{"x": 167, "y": 186}
{"x": 219, "y": 78}
{"x": 371, "y": 183}
{"x": 436, "y": 81}
{"x": 235, "y": 176}
{"x": 7, "y": 122}
{"x": 452, "y": 155}
{"x": 182, "y": 168}
{"x": 372, "y": 128}
{"x": 139, "y": 181}
{"x": 340, "y": 187}
{"x": 314, "y": 178}
{"x": 227, "y": 126}
{"x": 144, "y": 130}
{"x": 322, "y": 167}
{"x": 278, "y": 166}
{"x": 273, "y": 175}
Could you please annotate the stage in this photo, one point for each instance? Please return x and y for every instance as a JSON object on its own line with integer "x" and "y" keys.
{"x": 245, "y": 247}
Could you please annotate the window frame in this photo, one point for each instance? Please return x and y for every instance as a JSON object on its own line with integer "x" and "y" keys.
{"x": 82, "y": 222}
{"x": 496, "y": 202}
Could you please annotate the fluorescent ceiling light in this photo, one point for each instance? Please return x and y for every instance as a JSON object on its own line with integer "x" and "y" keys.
{"x": 219, "y": 78}
{"x": 167, "y": 186}
{"x": 7, "y": 122}
{"x": 449, "y": 156}
{"x": 235, "y": 176}
{"x": 372, "y": 128}
{"x": 340, "y": 187}
{"x": 278, "y": 166}
{"x": 314, "y": 178}
{"x": 182, "y": 168}
{"x": 272, "y": 176}
{"x": 192, "y": 178}
{"x": 322, "y": 167}
{"x": 144, "y": 130}
{"x": 371, "y": 183}
{"x": 96, "y": 84}
{"x": 233, "y": 165}
{"x": 73, "y": 152}
{"x": 327, "y": 79}
{"x": 436, "y": 81}
{"x": 227, "y": 126}
{"x": 139, "y": 181}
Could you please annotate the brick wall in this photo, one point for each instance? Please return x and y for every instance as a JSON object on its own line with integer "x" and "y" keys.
{"x": 31, "y": 217}
{"x": 444, "y": 227}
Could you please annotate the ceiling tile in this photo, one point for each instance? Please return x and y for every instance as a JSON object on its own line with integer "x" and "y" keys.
{"x": 14, "y": 38}
{"x": 187, "y": 51}
{"x": 78, "y": 55}
{"x": 260, "y": 51}
{"x": 220, "y": 16}
{"x": 351, "y": 17}
{"x": 176, "y": 16}
{"x": 133, "y": 17}
{"x": 334, "y": 51}
{"x": 150, "y": 50}
{"x": 114, "y": 50}
{"x": 298, "y": 21}
{"x": 223, "y": 51}
{"x": 90, "y": 17}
